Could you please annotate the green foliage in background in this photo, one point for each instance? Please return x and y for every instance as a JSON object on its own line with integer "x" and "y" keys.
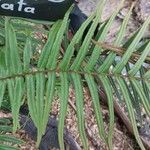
{"x": 30, "y": 70}
{"x": 7, "y": 141}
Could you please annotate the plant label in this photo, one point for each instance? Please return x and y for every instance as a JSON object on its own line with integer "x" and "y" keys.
{"x": 51, "y": 10}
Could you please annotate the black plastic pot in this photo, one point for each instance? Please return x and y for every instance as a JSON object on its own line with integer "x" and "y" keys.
{"x": 50, "y": 138}
{"x": 51, "y": 10}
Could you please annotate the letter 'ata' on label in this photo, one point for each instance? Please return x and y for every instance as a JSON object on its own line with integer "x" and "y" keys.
{"x": 51, "y": 10}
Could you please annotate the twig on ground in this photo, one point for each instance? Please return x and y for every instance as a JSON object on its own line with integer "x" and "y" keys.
{"x": 121, "y": 114}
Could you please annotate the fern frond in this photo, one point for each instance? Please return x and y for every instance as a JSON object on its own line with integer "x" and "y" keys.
{"x": 122, "y": 74}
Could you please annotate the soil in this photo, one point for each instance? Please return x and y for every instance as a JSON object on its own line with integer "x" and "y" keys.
{"x": 121, "y": 139}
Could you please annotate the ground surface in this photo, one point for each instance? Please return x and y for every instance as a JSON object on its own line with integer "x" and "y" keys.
{"x": 121, "y": 138}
